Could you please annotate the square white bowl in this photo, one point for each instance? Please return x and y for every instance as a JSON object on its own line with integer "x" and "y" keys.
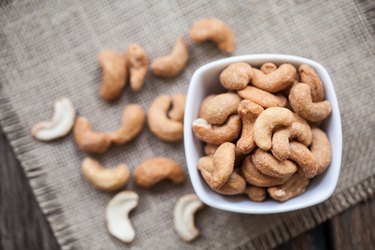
{"x": 205, "y": 81}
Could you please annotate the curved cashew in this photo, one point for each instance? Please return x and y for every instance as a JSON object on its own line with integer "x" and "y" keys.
{"x": 267, "y": 121}
{"x": 301, "y": 155}
{"x": 216, "y": 110}
{"x": 114, "y": 74}
{"x": 236, "y": 76}
{"x": 275, "y": 81}
{"x": 321, "y": 149}
{"x": 235, "y": 184}
{"x": 159, "y": 123}
{"x": 154, "y": 170}
{"x": 269, "y": 165}
{"x": 107, "y": 179}
{"x": 214, "y": 30}
{"x": 299, "y": 130}
{"x": 117, "y": 215}
{"x": 263, "y": 98}
{"x": 267, "y": 68}
{"x": 254, "y": 193}
{"x": 223, "y": 163}
{"x": 89, "y": 140}
{"x": 210, "y": 149}
{"x": 248, "y": 112}
{"x": 172, "y": 64}
{"x": 61, "y": 123}
{"x": 183, "y": 216}
{"x": 217, "y": 135}
{"x": 178, "y": 108}
{"x": 137, "y": 62}
{"x": 311, "y": 78}
{"x": 301, "y": 102}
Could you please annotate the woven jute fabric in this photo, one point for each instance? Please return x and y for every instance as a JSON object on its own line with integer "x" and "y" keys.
{"x": 48, "y": 49}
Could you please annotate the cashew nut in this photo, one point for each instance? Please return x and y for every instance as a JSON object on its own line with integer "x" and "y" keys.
{"x": 311, "y": 78}
{"x": 155, "y": 170}
{"x": 269, "y": 165}
{"x": 267, "y": 68}
{"x": 183, "y": 216}
{"x": 236, "y": 76}
{"x": 107, "y": 179}
{"x": 137, "y": 62}
{"x": 117, "y": 215}
{"x": 178, "y": 108}
{"x": 267, "y": 121}
{"x": 248, "y": 112}
{"x": 223, "y": 163}
{"x": 172, "y": 64}
{"x": 263, "y": 98}
{"x": 160, "y": 124}
{"x": 301, "y": 102}
{"x": 254, "y": 193}
{"x": 321, "y": 149}
{"x": 275, "y": 81}
{"x": 301, "y": 155}
{"x": 214, "y": 30}
{"x": 210, "y": 149}
{"x": 216, "y": 110}
{"x": 61, "y": 123}
{"x": 217, "y": 135}
{"x": 114, "y": 74}
{"x": 235, "y": 184}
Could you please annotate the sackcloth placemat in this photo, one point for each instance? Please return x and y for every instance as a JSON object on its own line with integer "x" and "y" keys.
{"x": 48, "y": 49}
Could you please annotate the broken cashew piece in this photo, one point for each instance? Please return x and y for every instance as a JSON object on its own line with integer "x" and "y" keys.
{"x": 172, "y": 64}
{"x": 236, "y": 76}
{"x": 183, "y": 216}
{"x": 106, "y": 179}
{"x": 61, "y": 123}
{"x": 263, "y": 98}
{"x": 267, "y": 68}
{"x": 155, "y": 170}
{"x": 137, "y": 62}
{"x": 215, "y": 30}
{"x": 117, "y": 215}
{"x": 178, "y": 108}
{"x": 301, "y": 155}
{"x": 311, "y": 78}
{"x": 254, "y": 193}
{"x": 321, "y": 149}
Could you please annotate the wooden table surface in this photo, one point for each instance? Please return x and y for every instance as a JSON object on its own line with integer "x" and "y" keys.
{"x": 23, "y": 226}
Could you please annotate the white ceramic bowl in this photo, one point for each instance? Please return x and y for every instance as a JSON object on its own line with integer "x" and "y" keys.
{"x": 205, "y": 81}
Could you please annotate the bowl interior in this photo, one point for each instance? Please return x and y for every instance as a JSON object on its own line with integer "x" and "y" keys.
{"x": 205, "y": 81}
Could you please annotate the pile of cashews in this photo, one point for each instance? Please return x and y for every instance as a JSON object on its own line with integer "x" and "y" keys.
{"x": 262, "y": 136}
{"x": 164, "y": 119}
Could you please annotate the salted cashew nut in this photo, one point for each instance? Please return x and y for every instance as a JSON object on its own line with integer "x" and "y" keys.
{"x": 223, "y": 163}
{"x": 137, "y": 62}
{"x": 301, "y": 102}
{"x": 321, "y": 149}
{"x": 215, "y": 30}
{"x": 159, "y": 122}
{"x": 61, "y": 123}
{"x": 117, "y": 215}
{"x": 172, "y": 64}
{"x": 235, "y": 184}
{"x": 216, "y": 110}
{"x": 275, "y": 81}
{"x": 236, "y": 76}
{"x": 248, "y": 111}
{"x": 254, "y": 193}
{"x": 106, "y": 179}
{"x": 114, "y": 74}
{"x": 268, "y": 67}
{"x": 155, "y": 170}
{"x": 183, "y": 216}
{"x": 266, "y": 163}
{"x": 311, "y": 78}
{"x": 216, "y": 135}
{"x": 267, "y": 121}
{"x": 178, "y": 107}
{"x": 263, "y": 98}
{"x": 210, "y": 149}
{"x": 306, "y": 161}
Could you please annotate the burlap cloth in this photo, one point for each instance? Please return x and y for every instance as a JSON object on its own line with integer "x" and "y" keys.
{"x": 49, "y": 49}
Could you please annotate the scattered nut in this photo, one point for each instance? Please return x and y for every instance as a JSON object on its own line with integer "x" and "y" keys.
{"x": 210, "y": 149}
{"x": 236, "y": 76}
{"x": 321, "y": 149}
{"x": 311, "y": 78}
{"x": 137, "y": 62}
{"x": 178, "y": 108}
{"x": 267, "y": 68}
{"x": 254, "y": 193}
{"x": 263, "y": 98}
{"x": 301, "y": 155}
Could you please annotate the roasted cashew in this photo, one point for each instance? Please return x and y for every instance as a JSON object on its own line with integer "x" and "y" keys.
{"x": 155, "y": 170}
{"x": 254, "y": 193}
{"x": 107, "y": 179}
{"x": 216, "y": 110}
{"x": 311, "y": 78}
{"x": 137, "y": 62}
{"x": 210, "y": 149}
{"x": 301, "y": 102}
{"x": 172, "y": 64}
{"x": 275, "y": 81}
{"x": 61, "y": 123}
{"x": 217, "y": 135}
{"x": 263, "y": 98}
{"x": 321, "y": 149}
{"x": 235, "y": 184}
{"x": 248, "y": 111}
{"x": 215, "y": 30}
{"x": 267, "y": 121}
{"x": 117, "y": 215}
{"x": 178, "y": 107}
{"x": 114, "y": 74}
{"x": 183, "y": 216}
{"x": 223, "y": 163}
{"x": 301, "y": 155}
{"x": 267, "y": 68}
{"x": 236, "y": 76}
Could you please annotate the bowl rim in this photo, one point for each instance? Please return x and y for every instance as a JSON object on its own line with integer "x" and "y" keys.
{"x": 189, "y": 137}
